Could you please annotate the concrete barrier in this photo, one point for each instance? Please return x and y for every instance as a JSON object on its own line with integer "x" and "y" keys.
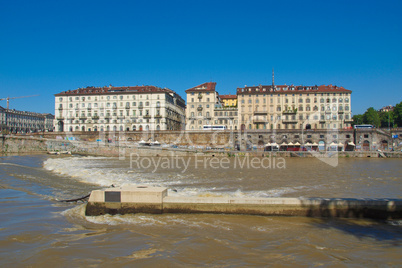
{"x": 144, "y": 199}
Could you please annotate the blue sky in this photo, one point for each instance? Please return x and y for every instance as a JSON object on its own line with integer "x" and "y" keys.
{"x": 51, "y": 46}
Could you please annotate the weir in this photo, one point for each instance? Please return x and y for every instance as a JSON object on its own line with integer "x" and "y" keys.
{"x": 155, "y": 200}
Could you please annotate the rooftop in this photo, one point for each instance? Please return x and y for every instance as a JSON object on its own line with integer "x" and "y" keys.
{"x": 209, "y": 86}
{"x": 292, "y": 88}
{"x": 228, "y": 96}
{"x": 114, "y": 90}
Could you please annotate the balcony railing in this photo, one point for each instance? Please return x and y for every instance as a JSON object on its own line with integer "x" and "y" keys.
{"x": 289, "y": 121}
{"x": 259, "y": 121}
{"x": 260, "y": 112}
{"x": 294, "y": 111}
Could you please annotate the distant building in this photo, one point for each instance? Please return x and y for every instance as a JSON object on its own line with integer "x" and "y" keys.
{"x": 204, "y": 108}
{"x": 14, "y": 121}
{"x": 388, "y": 108}
{"x": 111, "y": 108}
{"x": 294, "y": 107}
{"x": 229, "y": 100}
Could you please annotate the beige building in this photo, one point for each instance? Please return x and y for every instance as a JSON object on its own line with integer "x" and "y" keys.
{"x": 119, "y": 109}
{"x": 14, "y": 121}
{"x": 294, "y": 107}
{"x": 205, "y": 109}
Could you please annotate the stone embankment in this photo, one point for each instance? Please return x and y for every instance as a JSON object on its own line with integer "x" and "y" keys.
{"x": 22, "y": 144}
{"x": 155, "y": 200}
{"x": 35, "y": 144}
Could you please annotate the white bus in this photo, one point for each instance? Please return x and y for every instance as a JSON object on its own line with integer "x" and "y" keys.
{"x": 363, "y": 126}
{"x": 210, "y": 127}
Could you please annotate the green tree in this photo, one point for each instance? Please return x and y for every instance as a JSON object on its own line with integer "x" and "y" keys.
{"x": 357, "y": 119}
{"x": 386, "y": 119}
{"x": 398, "y": 114}
{"x": 371, "y": 117}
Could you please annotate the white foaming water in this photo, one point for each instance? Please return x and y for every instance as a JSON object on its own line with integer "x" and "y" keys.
{"x": 91, "y": 170}
{"x": 105, "y": 171}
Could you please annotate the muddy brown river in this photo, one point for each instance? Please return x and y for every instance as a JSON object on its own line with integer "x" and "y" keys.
{"x": 38, "y": 231}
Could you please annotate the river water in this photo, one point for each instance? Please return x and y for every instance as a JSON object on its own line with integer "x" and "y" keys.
{"x": 38, "y": 231}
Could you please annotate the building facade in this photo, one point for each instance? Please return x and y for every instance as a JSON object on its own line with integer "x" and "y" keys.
{"x": 205, "y": 108}
{"x": 229, "y": 100}
{"x": 13, "y": 121}
{"x": 294, "y": 107}
{"x": 388, "y": 108}
{"x": 119, "y": 109}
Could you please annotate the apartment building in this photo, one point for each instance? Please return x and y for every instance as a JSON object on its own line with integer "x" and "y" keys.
{"x": 14, "y": 121}
{"x": 205, "y": 108}
{"x": 133, "y": 108}
{"x": 294, "y": 107}
{"x": 229, "y": 100}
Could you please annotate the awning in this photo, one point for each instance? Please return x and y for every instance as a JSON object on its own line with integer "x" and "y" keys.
{"x": 284, "y": 144}
{"x": 315, "y": 144}
{"x": 268, "y": 145}
{"x": 290, "y": 144}
{"x": 274, "y": 144}
{"x": 142, "y": 141}
{"x": 308, "y": 144}
{"x": 351, "y": 143}
{"x": 297, "y": 144}
{"x": 333, "y": 144}
{"x": 340, "y": 144}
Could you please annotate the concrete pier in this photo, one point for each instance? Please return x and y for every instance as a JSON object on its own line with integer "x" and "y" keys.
{"x": 144, "y": 199}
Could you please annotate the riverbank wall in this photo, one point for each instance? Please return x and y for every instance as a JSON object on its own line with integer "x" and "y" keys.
{"x": 155, "y": 200}
{"x": 21, "y": 144}
{"x": 123, "y": 149}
